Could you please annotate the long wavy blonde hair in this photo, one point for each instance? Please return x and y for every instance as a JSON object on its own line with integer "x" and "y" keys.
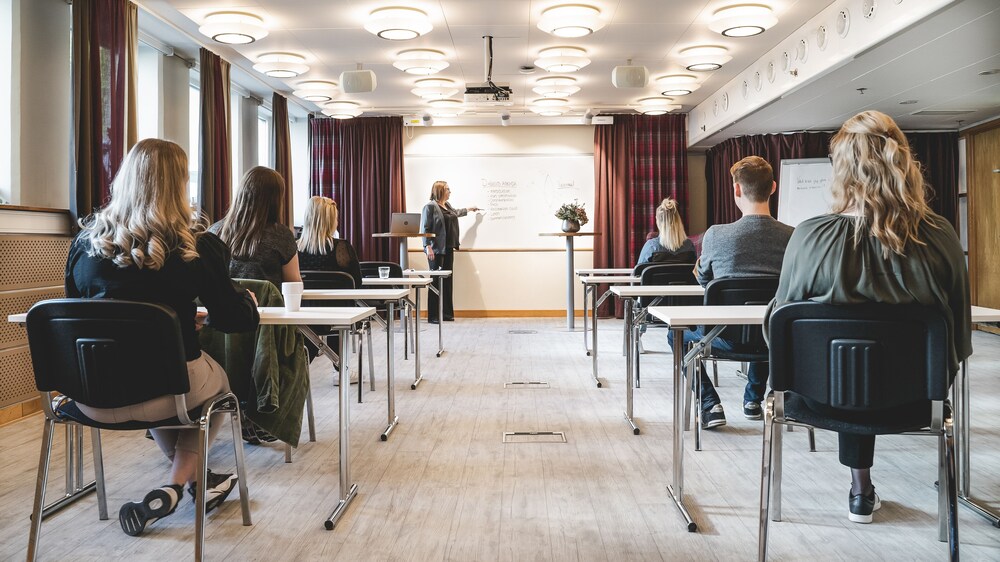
{"x": 257, "y": 206}
{"x": 668, "y": 221}
{"x": 319, "y": 226}
{"x": 876, "y": 177}
{"x": 149, "y": 217}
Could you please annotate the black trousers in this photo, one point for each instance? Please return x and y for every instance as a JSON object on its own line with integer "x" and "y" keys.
{"x": 442, "y": 261}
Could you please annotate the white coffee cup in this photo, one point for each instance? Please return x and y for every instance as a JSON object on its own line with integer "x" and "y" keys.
{"x": 383, "y": 272}
{"x": 292, "y": 293}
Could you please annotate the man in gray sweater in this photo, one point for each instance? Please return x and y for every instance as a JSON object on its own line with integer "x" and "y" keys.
{"x": 751, "y": 246}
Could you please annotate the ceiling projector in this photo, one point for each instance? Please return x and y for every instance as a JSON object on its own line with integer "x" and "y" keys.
{"x": 488, "y": 94}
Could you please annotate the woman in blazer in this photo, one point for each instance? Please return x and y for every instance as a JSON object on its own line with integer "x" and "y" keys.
{"x": 441, "y": 219}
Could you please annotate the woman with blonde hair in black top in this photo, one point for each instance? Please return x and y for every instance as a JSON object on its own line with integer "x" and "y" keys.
{"x": 143, "y": 246}
{"x": 319, "y": 249}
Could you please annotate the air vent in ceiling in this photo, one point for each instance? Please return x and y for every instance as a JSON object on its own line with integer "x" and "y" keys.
{"x": 943, "y": 112}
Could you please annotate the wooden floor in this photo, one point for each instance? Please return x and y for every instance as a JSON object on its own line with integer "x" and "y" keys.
{"x": 444, "y": 486}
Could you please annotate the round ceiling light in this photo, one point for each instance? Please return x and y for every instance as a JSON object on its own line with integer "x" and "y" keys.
{"x": 281, "y": 65}
{"x": 317, "y": 91}
{"x": 342, "y": 109}
{"x": 233, "y": 28}
{"x": 556, "y": 86}
{"x": 571, "y": 20}
{"x": 562, "y": 59}
{"x": 420, "y": 61}
{"x": 678, "y": 84}
{"x": 435, "y": 88}
{"x": 703, "y": 58}
{"x": 550, "y": 102}
{"x": 397, "y": 23}
{"x": 446, "y": 108}
{"x": 656, "y": 106}
{"x": 743, "y": 20}
{"x": 549, "y": 111}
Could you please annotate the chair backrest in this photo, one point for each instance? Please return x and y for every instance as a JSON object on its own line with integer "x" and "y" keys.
{"x": 742, "y": 291}
{"x": 107, "y": 353}
{"x": 327, "y": 280}
{"x": 860, "y": 357}
{"x": 370, "y": 268}
{"x": 667, "y": 274}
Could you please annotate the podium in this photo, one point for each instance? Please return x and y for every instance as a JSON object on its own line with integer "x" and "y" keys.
{"x": 403, "y": 258}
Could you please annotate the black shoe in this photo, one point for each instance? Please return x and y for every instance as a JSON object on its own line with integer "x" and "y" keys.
{"x": 752, "y": 410}
{"x": 219, "y": 487}
{"x": 714, "y": 417}
{"x": 862, "y": 507}
{"x": 432, "y": 321}
{"x": 449, "y": 319}
{"x": 158, "y": 503}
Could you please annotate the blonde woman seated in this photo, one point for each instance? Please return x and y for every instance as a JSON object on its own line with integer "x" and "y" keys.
{"x": 882, "y": 243}
{"x": 672, "y": 245}
{"x": 143, "y": 247}
{"x": 318, "y": 249}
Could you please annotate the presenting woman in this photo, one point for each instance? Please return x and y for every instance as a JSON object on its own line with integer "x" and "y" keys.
{"x": 441, "y": 219}
{"x": 882, "y": 243}
{"x": 672, "y": 245}
{"x": 144, "y": 247}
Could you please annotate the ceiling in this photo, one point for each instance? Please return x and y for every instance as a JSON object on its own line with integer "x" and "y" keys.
{"x": 922, "y": 63}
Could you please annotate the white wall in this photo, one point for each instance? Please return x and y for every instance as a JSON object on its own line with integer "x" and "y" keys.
{"x": 40, "y": 126}
{"x": 516, "y": 282}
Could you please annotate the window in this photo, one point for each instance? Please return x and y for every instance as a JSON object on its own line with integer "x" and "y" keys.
{"x": 148, "y": 114}
{"x": 6, "y": 62}
{"x": 264, "y": 138}
{"x": 194, "y": 130}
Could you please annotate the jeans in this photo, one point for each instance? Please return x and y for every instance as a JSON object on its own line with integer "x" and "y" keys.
{"x": 756, "y": 372}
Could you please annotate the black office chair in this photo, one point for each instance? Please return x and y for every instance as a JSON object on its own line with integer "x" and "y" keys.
{"x": 661, "y": 274}
{"x": 110, "y": 354}
{"x": 861, "y": 360}
{"x": 339, "y": 280}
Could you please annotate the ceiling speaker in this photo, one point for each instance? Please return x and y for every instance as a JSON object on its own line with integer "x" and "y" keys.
{"x": 628, "y": 77}
{"x": 357, "y": 81}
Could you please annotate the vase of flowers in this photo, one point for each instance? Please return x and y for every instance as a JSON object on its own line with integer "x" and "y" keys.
{"x": 573, "y": 216}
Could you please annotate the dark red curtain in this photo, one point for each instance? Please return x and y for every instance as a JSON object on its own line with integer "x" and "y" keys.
{"x": 216, "y": 151}
{"x": 937, "y": 152}
{"x": 282, "y": 156}
{"x": 104, "y": 43}
{"x": 638, "y": 161}
{"x": 359, "y": 164}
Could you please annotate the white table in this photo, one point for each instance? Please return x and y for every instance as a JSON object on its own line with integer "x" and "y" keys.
{"x": 440, "y": 274}
{"x": 342, "y": 319}
{"x": 604, "y": 271}
{"x": 410, "y": 283}
{"x": 680, "y": 318}
{"x": 590, "y": 284}
{"x": 361, "y": 296}
{"x": 633, "y": 319}
{"x": 570, "y": 297}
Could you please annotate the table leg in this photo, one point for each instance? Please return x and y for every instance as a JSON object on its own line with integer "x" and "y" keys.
{"x": 676, "y": 490}
{"x": 416, "y": 341}
{"x": 629, "y": 358}
{"x": 348, "y": 491}
{"x": 390, "y": 376}
{"x": 570, "y": 304}
{"x": 593, "y": 334}
{"x": 586, "y": 291}
{"x": 961, "y": 416}
{"x": 404, "y": 259}
{"x": 440, "y": 293}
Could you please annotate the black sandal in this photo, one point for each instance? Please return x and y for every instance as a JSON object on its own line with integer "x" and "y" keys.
{"x": 158, "y": 503}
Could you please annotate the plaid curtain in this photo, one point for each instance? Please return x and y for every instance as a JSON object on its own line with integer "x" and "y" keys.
{"x": 359, "y": 164}
{"x": 638, "y": 161}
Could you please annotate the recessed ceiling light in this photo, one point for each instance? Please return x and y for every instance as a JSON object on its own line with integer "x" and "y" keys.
{"x": 281, "y": 65}
{"x": 571, "y": 20}
{"x": 316, "y": 90}
{"x": 398, "y": 23}
{"x": 420, "y": 61}
{"x": 742, "y": 20}
{"x": 342, "y": 109}
{"x": 233, "y": 28}
{"x": 562, "y": 59}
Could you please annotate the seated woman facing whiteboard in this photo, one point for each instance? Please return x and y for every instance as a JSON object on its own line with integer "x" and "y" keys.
{"x": 672, "y": 245}
{"x": 441, "y": 219}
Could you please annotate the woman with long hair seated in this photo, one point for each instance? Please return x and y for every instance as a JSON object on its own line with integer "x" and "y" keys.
{"x": 262, "y": 247}
{"x": 143, "y": 246}
{"x": 882, "y": 243}
{"x": 672, "y": 244}
{"x": 319, "y": 249}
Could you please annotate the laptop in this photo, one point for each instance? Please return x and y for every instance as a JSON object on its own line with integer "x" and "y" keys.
{"x": 405, "y": 223}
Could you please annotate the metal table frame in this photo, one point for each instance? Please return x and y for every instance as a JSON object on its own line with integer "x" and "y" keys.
{"x": 440, "y": 274}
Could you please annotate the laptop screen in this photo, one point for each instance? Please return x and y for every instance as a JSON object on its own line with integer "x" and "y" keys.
{"x": 405, "y": 223}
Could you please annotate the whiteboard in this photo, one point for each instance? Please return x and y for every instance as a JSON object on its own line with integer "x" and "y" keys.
{"x": 520, "y": 195}
{"x": 804, "y": 191}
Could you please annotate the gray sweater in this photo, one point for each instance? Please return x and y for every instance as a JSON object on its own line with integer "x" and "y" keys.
{"x": 751, "y": 246}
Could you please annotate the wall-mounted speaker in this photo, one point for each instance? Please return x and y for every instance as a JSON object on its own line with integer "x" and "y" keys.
{"x": 627, "y": 77}
{"x": 357, "y": 81}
